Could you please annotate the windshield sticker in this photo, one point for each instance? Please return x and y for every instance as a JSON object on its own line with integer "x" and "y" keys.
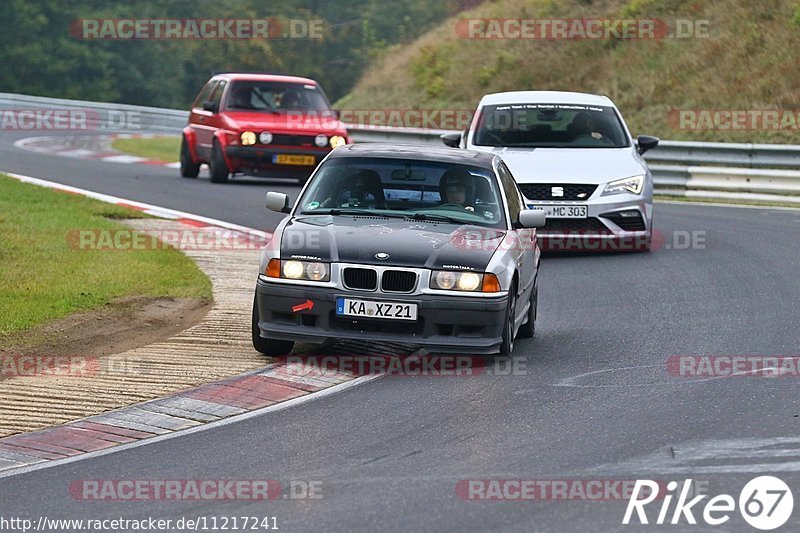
{"x": 570, "y": 107}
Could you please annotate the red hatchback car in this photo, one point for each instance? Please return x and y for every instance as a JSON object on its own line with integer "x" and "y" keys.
{"x": 260, "y": 125}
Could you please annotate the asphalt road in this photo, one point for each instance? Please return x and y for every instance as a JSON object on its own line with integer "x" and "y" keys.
{"x": 595, "y": 400}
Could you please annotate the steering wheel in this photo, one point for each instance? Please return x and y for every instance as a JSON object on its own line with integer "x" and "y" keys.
{"x": 603, "y": 139}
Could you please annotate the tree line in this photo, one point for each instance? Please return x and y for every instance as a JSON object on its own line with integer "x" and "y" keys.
{"x": 60, "y": 48}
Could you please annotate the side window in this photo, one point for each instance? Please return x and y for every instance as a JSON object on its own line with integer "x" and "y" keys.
{"x": 205, "y": 93}
{"x": 216, "y": 96}
{"x": 515, "y": 204}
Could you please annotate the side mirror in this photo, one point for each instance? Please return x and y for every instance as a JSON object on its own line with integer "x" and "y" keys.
{"x": 278, "y": 202}
{"x": 453, "y": 140}
{"x": 337, "y": 113}
{"x": 210, "y": 105}
{"x": 645, "y": 143}
{"x": 532, "y": 218}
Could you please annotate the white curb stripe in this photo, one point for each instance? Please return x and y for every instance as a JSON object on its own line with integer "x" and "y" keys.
{"x": 151, "y": 209}
{"x": 123, "y": 158}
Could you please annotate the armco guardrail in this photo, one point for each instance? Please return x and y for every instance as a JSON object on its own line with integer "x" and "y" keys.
{"x": 758, "y": 172}
{"x": 104, "y": 116}
{"x": 678, "y": 166}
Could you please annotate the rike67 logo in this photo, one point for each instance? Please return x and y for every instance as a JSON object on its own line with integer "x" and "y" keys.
{"x": 766, "y": 503}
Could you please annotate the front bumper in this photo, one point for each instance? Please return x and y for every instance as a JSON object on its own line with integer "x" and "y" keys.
{"x": 259, "y": 160}
{"x": 457, "y": 324}
{"x": 604, "y": 229}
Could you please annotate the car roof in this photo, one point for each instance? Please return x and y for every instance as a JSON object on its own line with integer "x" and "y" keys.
{"x": 418, "y": 152}
{"x": 546, "y": 97}
{"x": 241, "y": 76}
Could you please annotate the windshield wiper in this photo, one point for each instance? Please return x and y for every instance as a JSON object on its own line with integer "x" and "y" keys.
{"x": 437, "y": 218}
{"x": 358, "y": 212}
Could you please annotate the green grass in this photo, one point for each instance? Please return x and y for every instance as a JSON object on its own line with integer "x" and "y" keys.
{"x": 44, "y": 277}
{"x": 163, "y": 148}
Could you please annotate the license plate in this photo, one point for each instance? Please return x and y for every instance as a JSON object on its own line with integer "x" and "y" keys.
{"x": 369, "y": 309}
{"x": 291, "y": 159}
{"x": 563, "y": 211}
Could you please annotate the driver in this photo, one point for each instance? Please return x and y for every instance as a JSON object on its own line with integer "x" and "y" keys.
{"x": 241, "y": 98}
{"x": 290, "y": 100}
{"x": 455, "y": 187}
{"x": 582, "y": 124}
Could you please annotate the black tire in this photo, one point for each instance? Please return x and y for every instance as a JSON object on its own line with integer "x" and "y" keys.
{"x": 217, "y": 168}
{"x": 189, "y": 169}
{"x": 507, "y": 346}
{"x": 271, "y": 347}
{"x": 528, "y": 329}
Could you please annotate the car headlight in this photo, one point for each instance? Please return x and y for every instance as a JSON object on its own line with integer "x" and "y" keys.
{"x": 299, "y": 270}
{"x": 337, "y": 141}
{"x": 265, "y": 137}
{"x": 321, "y": 140}
{"x": 248, "y": 138}
{"x": 634, "y": 185}
{"x": 447, "y": 280}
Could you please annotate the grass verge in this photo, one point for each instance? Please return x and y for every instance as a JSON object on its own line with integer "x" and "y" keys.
{"x": 162, "y": 148}
{"x": 44, "y": 277}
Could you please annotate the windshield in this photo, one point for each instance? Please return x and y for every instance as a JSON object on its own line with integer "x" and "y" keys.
{"x": 404, "y": 188}
{"x": 550, "y": 125}
{"x": 276, "y": 97}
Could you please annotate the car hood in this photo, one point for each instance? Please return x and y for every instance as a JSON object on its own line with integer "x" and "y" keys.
{"x": 570, "y": 165}
{"x": 310, "y": 123}
{"x": 409, "y": 244}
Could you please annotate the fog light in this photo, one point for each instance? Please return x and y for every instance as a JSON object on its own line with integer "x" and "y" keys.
{"x": 265, "y": 137}
{"x": 321, "y": 140}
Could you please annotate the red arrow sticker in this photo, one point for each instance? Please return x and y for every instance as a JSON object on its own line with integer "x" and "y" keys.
{"x": 308, "y": 305}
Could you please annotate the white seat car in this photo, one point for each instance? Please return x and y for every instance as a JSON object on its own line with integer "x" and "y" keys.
{"x": 573, "y": 156}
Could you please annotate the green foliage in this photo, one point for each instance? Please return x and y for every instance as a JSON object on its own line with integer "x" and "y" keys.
{"x": 430, "y": 68}
{"x": 39, "y": 55}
